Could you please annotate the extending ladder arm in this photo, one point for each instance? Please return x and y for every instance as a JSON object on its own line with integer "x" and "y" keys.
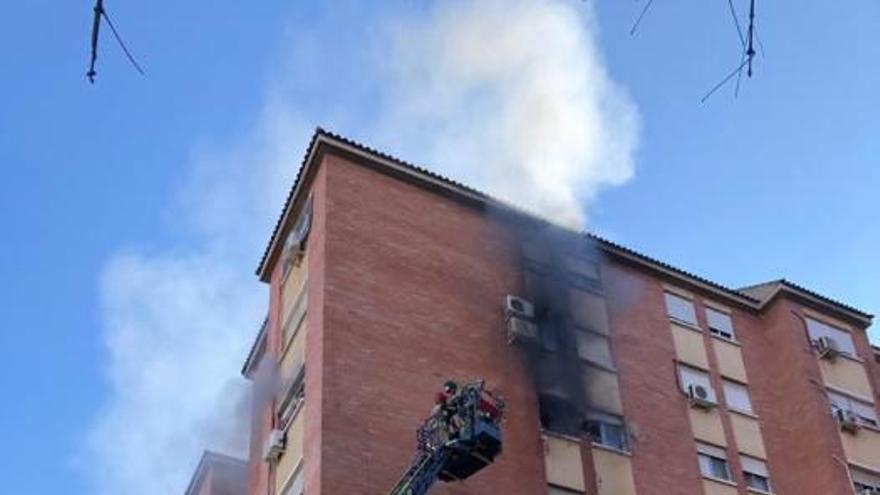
{"x": 422, "y": 473}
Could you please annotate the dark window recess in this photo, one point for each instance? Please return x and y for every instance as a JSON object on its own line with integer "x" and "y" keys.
{"x": 757, "y": 482}
{"x": 721, "y": 333}
{"x": 549, "y": 338}
{"x": 559, "y": 415}
{"x": 715, "y": 467}
{"x": 605, "y": 433}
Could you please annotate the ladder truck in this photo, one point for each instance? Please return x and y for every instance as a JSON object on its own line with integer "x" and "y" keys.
{"x": 461, "y": 437}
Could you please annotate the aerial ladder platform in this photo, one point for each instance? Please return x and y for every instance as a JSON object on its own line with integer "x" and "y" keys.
{"x": 461, "y": 437}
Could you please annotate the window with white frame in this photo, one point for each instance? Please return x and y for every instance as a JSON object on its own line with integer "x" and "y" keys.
{"x": 864, "y": 410}
{"x": 693, "y": 377}
{"x": 865, "y": 482}
{"x": 606, "y": 429}
{"x": 842, "y": 338}
{"x": 755, "y": 473}
{"x": 720, "y": 324}
{"x": 737, "y": 397}
{"x": 713, "y": 462}
{"x": 680, "y": 309}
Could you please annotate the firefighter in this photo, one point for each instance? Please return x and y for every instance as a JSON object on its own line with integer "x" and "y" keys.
{"x": 447, "y": 408}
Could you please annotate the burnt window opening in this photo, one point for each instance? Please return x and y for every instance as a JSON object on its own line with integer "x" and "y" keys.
{"x": 549, "y": 339}
{"x": 606, "y": 430}
{"x": 559, "y": 414}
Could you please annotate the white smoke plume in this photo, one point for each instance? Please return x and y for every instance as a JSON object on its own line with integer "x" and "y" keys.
{"x": 178, "y": 323}
{"x": 510, "y": 96}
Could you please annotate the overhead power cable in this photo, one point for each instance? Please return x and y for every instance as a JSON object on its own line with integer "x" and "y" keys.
{"x": 100, "y": 13}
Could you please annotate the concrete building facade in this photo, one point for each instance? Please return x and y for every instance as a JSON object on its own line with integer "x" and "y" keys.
{"x": 386, "y": 279}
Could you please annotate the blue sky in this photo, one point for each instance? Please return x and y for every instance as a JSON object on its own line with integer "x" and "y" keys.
{"x": 97, "y": 208}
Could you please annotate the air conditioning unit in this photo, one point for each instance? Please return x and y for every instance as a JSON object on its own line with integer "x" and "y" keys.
{"x": 521, "y": 330}
{"x": 827, "y": 348}
{"x": 848, "y": 420}
{"x": 517, "y": 307}
{"x": 698, "y": 396}
{"x": 274, "y": 446}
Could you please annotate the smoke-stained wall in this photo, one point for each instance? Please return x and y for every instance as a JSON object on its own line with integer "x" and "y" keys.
{"x": 571, "y": 361}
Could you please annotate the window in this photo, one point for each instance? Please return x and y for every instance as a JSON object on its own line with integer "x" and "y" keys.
{"x": 607, "y": 430}
{"x": 295, "y": 316}
{"x": 582, "y": 272}
{"x": 865, "y": 481}
{"x": 864, "y": 410}
{"x": 737, "y": 397}
{"x": 680, "y": 309}
{"x": 594, "y": 348}
{"x": 549, "y": 339}
{"x": 692, "y": 376}
{"x": 713, "y": 462}
{"x": 844, "y": 341}
{"x": 755, "y": 473}
{"x": 588, "y": 310}
{"x": 292, "y": 399}
{"x": 295, "y": 485}
{"x": 720, "y": 324}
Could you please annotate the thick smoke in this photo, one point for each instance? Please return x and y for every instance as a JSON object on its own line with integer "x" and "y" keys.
{"x": 512, "y": 96}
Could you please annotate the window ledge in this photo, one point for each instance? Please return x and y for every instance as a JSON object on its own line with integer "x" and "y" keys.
{"x": 563, "y": 436}
{"x": 719, "y": 480}
{"x": 746, "y": 414}
{"x": 685, "y": 324}
{"x": 726, "y": 340}
{"x": 613, "y": 450}
{"x": 758, "y": 491}
{"x": 596, "y": 364}
{"x": 852, "y": 395}
{"x": 851, "y": 358}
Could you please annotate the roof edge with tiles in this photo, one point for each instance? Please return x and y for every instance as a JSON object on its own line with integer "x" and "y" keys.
{"x": 323, "y": 141}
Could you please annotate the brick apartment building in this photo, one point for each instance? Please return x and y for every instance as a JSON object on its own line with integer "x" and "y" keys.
{"x": 386, "y": 279}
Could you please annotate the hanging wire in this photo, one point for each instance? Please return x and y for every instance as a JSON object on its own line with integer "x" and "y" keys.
{"x": 122, "y": 44}
{"x": 96, "y": 27}
{"x": 632, "y": 31}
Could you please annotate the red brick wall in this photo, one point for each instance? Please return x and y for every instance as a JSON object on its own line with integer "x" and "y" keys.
{"x": 787, "y": 394}
{"x": 664, "y": 457}
{"x": 405, "y": 291}
{"x": 414, "y": 285}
